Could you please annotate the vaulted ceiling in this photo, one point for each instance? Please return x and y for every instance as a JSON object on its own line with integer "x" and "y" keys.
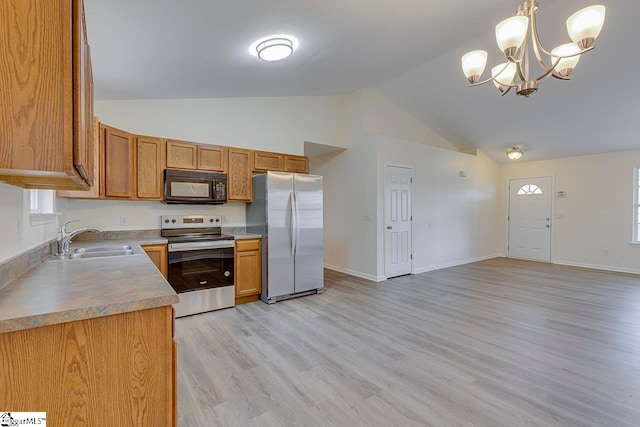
{"x": 409, "y": 50}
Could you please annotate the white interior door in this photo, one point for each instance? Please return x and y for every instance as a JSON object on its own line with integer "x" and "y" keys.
{"x": 530, "y": 218}
{"x": 397, "y": 220}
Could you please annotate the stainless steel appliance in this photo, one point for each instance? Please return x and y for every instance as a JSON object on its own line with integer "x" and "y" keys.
{"x": 194, "y": 187}
{"x": 287, "y": 212}
{"x": 201, "y": 263}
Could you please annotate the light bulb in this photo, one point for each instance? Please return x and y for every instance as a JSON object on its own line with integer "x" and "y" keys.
{"x": 504, "y": 75}
{"x": 473, "y": 65}
{"x": 585, "y": 25}
{"x": 514, "y": 153}
{"x": 566, "y": 65}
{"x": 510, "y": 34}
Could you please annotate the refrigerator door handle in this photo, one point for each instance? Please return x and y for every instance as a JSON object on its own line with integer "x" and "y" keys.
{"x": 296, "y": 211}
{"x": 292, "y": 225}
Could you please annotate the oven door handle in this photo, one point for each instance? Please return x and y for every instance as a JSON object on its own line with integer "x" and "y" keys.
{"x": 194, "y": 246}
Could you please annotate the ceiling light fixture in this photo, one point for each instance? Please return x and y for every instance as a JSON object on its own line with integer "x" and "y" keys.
{"x": 583, "y": 27}
{"x": 274, "y": 48}
{"x": 514, "y": 153}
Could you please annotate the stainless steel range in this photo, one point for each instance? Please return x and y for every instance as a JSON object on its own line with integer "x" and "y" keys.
{"x": 201, "y": 263}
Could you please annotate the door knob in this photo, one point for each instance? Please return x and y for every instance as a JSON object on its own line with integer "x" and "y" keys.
{"x": 548, "y": 226}
{"x": 389, "y": 227}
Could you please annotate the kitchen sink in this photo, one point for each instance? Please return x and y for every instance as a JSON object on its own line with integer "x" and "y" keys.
{"x": 103, "y": 249}
{"x": 97, "y": 252}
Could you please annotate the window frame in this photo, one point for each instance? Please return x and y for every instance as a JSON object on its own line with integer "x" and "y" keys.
{"x": 42, "y": 206}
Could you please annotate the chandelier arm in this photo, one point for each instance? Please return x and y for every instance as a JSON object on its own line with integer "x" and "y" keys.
{"x": 506, "y": 91}
{"x": 490, "y": 78}
{"x": 520, "y": 73}
{"x": 551, "y": 72}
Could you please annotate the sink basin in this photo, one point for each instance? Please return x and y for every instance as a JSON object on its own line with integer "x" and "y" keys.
{"x": 97, "y": 252}
{"x": 103, "y": 249}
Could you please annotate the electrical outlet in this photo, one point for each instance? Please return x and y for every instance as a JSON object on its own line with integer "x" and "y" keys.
{"x": 124, "y": 220}
{"x": 605, "y": 252}
{"x": 18, "y": 229}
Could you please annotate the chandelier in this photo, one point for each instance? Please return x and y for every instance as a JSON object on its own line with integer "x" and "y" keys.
{"x": 583, "y": 27}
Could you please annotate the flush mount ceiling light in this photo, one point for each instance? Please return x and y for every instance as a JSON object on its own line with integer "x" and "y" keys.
{"x": 583, "y": 27}
{"x": 274, "y": 47}
{"x": 514, "y": 153}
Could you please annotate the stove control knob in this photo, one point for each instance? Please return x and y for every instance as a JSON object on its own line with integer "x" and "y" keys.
{"x": 227, "y": 274}
{"x": 166, "y": 221}
{"x": 173, "y": 221}
{"x": 210, "y": 219}
{"x": 217, "y": 219}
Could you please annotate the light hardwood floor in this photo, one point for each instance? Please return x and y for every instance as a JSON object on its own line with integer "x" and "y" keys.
{"x": 494, "y": 343}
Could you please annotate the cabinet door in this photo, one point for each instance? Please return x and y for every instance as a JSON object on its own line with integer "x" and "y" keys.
{"x": 212, "y": 158}
{"x": 150, "y": 164}
{"x": 239, "y": 176}
{"x": 81, "y": 95}
{"x": 40, "y": 42}
{"x": 94, "y": 191}
{"x": 118, "y": 155}
{"x": 265, "y": 161}
{"x": 181, "y": 155}
{"x": 158, "y": 254}
{"x": 298, "y": 164}
{"x": 248, "y": 271}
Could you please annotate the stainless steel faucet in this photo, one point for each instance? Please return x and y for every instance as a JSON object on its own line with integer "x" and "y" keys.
{"x": 64, "y": 240}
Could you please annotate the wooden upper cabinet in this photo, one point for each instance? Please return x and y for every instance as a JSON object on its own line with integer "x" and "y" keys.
{"x": 212, "y": 158}
{"x": 94, "y": 191}
{"x": 298, "y": 164}
{"x": 182, "y": 155}
{"x": 150, "y": 164}
{"x": 45, "y": 87}
{"x": 239, "y": 186}
{"x": 118, "y": 160}
{"x": 266, "y": 161}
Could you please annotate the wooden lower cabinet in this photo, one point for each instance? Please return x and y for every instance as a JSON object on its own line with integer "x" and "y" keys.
{"x": 158, "y": 254}
{"x": 248, "y": 270}
{"x": 116, "y": 370}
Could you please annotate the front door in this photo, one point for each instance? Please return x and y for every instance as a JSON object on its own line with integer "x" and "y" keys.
{"x": 397, "y": 219}
{"x": 530, "y": 218}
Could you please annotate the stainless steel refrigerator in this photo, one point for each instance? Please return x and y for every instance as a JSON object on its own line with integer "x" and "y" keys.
{"x": 287, "y": 212}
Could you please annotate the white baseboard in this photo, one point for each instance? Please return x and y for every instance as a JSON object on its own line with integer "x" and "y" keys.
{"x": 598, "y": 267}
{"x": 454, "y": 263}
{"x": 355, "y": 273}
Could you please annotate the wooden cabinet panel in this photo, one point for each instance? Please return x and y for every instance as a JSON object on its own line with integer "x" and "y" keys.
{"x": 182, "y": 155}
{"x": 38, "y": 51}
{"x": 248, "y": 269}
{"x": 298, "y": 164}
{"x": 82, "y": 94}
{"x": 158, "y": 254}
{"x": 150, "y": 164}
{"x": 239, "y": 185}
{"x": 212, "y": 158}
{"x": 94, "y": 191}
{"x": 265, "y": 161}
{"x": 118, "y": 155}
{"x": 107, "y": 371}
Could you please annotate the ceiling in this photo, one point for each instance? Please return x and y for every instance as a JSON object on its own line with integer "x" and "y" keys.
{"x": 409, "y": 50}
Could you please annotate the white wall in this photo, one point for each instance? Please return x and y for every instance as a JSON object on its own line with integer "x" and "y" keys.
{"x": 141, "y": 215}
{"x": 461, "y": 211}
{"x": 280, "y": 124}
{"x": 16, "y": 232}
{"x": 597, "y": 213}
{"x": 454, "y": 218}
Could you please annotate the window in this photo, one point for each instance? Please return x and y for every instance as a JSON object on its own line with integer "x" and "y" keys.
{"x": 41, "y": 206}
{"x": 636, "y": 205}
{"x": 529, "y": 189}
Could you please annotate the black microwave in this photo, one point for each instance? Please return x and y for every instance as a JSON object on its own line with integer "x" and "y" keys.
{"x": 193, "y": 187}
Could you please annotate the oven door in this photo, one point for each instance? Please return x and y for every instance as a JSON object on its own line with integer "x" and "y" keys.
{"x": 198, "y": 269}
